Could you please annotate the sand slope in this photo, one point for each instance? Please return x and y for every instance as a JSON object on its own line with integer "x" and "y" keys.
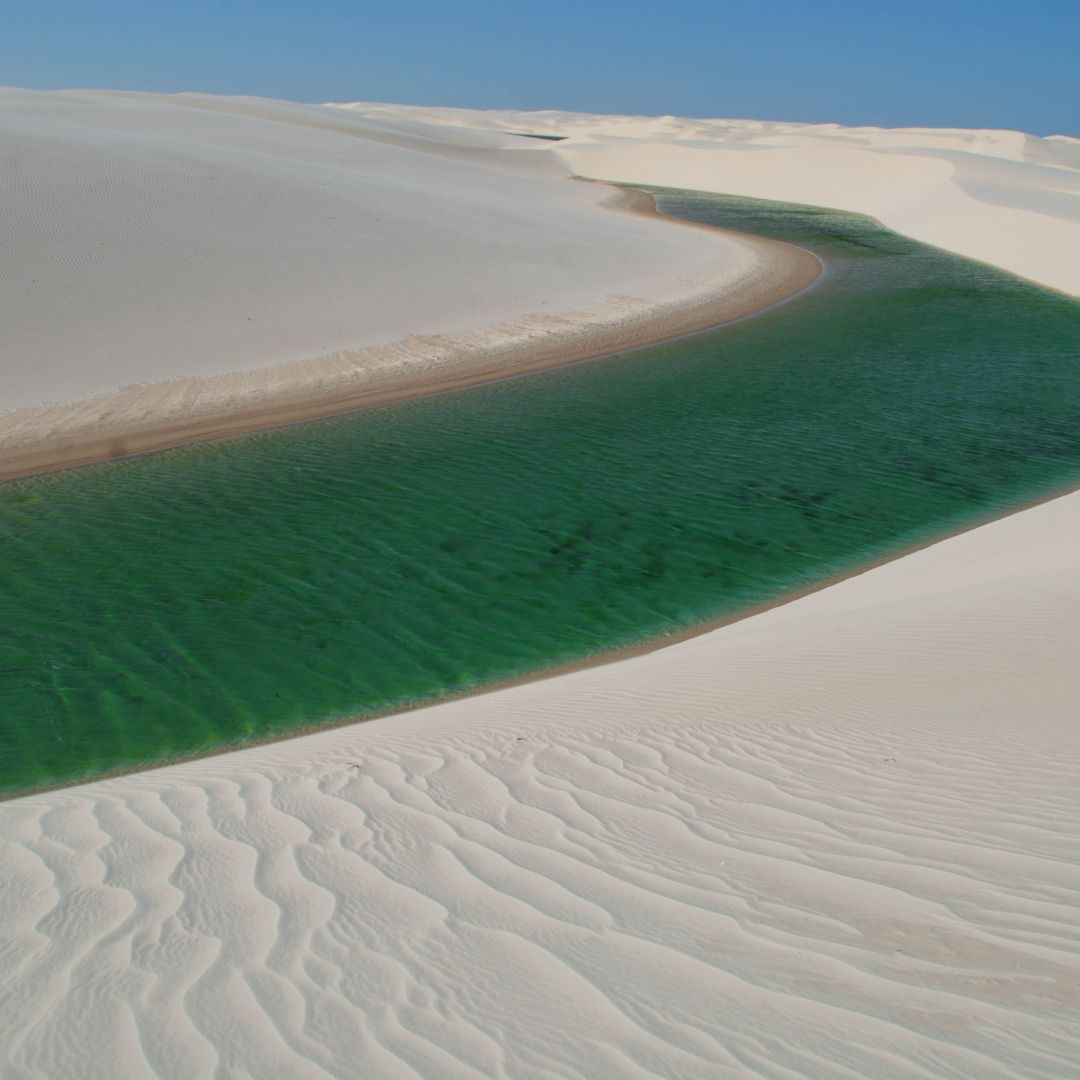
{"x": 151, "y": 237}
{"x": 1004, "y": 197}
{"x": 182, "y": 267}
{"x": 837, "y": 839}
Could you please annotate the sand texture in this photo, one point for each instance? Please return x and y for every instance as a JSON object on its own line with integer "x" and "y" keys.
{"x": 1004, "y": 197}
{"x": 836, "y": 839}
{"x": 183, "y": 267}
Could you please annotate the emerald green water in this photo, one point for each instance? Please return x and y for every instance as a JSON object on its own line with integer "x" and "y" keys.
{"x": 199, "y": 598}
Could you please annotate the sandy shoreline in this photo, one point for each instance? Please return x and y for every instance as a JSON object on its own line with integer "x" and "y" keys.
{"x": 586, "y": 663}
{"x": 142, "y": 419}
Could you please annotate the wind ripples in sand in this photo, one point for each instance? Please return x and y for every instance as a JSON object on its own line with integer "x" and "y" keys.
{"x": 512, "y": 895}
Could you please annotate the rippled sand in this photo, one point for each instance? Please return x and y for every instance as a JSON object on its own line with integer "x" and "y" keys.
{"x": 838, "y": 839}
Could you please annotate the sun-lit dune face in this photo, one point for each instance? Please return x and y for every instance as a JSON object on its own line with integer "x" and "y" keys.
{"x": 151, "y": 237}
{"x": 194, "y": 235}
{"x": 1001, "y": 197}
{"x": 1004, "y": 197}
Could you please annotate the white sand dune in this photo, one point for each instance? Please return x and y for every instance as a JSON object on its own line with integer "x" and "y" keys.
{"x": 1004, "y": 197}
{"x": 838, "y": 839}
{"x": 191, "y": 260}
{"x": 151, "y": 237}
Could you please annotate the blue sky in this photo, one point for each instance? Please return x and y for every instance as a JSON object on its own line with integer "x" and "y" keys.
{"x": 970, "y": 63}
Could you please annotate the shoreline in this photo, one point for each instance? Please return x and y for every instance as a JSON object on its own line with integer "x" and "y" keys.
{"x": 585, "y": 663}
{"x": 628, "y": 200}
{"x": 147, "y": 418}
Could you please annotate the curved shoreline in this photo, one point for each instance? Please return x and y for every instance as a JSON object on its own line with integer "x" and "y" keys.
{"x": 603, "y": 658}
{"x": 636, "y": 647}
{"x": 143, "y": 419}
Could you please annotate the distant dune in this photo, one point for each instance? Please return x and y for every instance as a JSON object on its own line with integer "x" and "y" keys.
{"x": 1004, "y": 197}
{"x": 837, "y": 839}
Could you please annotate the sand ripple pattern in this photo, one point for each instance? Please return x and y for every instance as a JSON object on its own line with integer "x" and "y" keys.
{"x": 835, "y": 840}
{"x": 547, "y": 906}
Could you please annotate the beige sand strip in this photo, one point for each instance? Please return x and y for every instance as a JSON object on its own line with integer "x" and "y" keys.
{"x": 158, "y": 416}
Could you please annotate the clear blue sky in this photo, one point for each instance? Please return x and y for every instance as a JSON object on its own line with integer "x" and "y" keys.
{"x": 970, "y": 63}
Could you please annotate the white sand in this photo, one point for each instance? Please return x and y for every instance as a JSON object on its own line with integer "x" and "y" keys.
{"x": 1004, "y": 197}
{"x": 181, "y": 267}
{"x": 837, "y": 839}
{"x": 152, "y": 237}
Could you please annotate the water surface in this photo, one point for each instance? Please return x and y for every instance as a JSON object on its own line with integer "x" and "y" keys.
{"x": 198, "y": 598}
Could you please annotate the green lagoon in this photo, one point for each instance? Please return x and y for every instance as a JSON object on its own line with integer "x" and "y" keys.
{"x": 196, "y": 599}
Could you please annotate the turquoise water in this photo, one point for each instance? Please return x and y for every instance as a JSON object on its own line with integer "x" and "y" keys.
{"x": 199, "y": 598}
